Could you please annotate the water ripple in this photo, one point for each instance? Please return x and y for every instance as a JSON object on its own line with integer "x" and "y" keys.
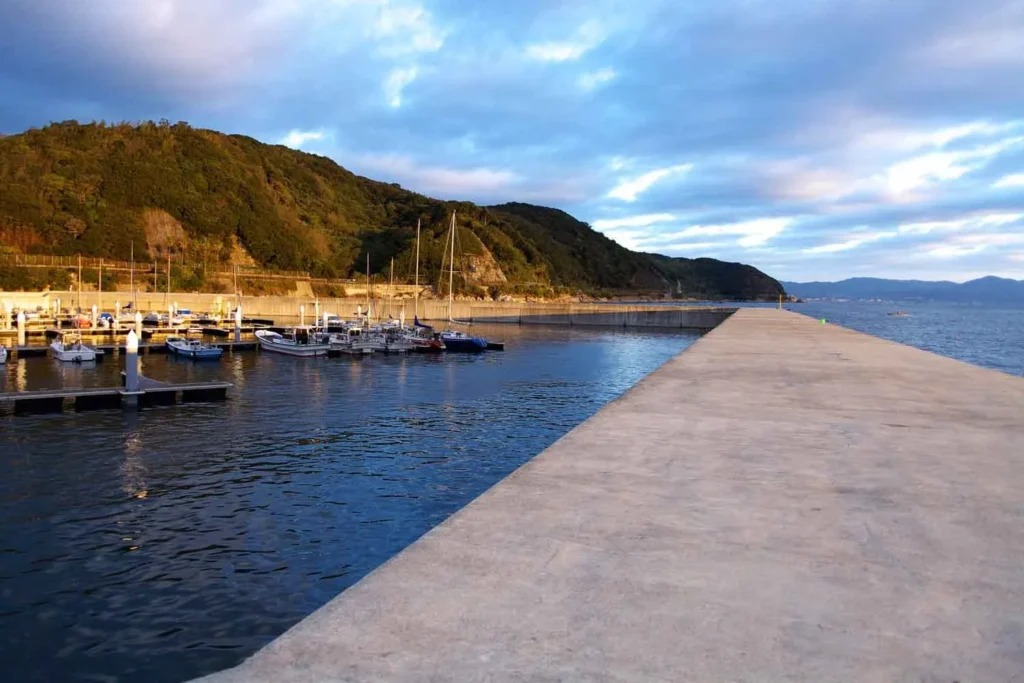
{"x": 167, "y": 544}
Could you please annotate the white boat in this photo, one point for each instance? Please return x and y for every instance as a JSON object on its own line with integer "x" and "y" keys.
{"x": 69, "y": 348}
{"x": 3, "y": 354}
{"x": 352, "y": 342}
{"x": 192, "y": 348}
{"x": 304, "y": 341}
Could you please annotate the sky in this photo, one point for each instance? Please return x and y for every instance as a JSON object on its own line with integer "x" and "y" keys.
{"x": 814, "y": 139}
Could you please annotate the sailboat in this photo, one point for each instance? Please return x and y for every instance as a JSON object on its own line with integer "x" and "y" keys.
{"x": 421, "y": 337}
{"x": 453, "y": 339}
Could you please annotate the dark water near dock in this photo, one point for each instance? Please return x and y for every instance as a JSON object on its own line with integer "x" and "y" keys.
{"x": 174, "y": 542}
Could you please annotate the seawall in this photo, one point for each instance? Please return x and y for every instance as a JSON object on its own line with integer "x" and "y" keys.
{"x": 286, "y": 308}
{"x": 784, "y": 501}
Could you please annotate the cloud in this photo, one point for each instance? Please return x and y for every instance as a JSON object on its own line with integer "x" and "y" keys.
{"x": 852, "y": 243}
{"x": 1013, "y": 180}
{"x": 632, "y": 221}
{"x": 297, "y": 138}
{"x": 592, "y": 80}
{"x": 586, "y": 38}
{"x": 396, "y": 82}
{"x": 628, "y": 190}
{"x": 754, "y": 131}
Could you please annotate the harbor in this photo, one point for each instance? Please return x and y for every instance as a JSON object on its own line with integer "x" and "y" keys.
{"x": 786, "y": 500}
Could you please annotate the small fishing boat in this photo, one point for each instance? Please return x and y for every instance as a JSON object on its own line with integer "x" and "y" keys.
{"x": 899, "y": 314}
{"x": 151, "y": 319}
{"x": 352, "y": 342}
{"x": 303, "y": 341}
{"x": 423, "y": 338}
{"x": 70, "y": 349}
{"x": 3, "y": 354}
{"x": 81, "y": 321}
{"x": 192, "y": 348}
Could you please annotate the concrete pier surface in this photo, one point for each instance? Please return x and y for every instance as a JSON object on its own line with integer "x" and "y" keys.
{"x": 784, "y": 501}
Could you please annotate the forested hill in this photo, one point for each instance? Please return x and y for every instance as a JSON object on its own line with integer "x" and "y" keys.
{"x": 96, "y": 190}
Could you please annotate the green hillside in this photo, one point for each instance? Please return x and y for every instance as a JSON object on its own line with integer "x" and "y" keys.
{"x": 205, "y": 196}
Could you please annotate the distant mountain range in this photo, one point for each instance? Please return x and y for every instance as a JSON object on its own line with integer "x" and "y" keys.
{"x": 984, "y": 289}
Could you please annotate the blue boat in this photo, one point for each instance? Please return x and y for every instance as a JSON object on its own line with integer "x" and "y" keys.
{"x": 460, "y": 341}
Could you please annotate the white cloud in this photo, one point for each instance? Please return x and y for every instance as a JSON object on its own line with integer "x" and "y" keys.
{"x": 642, "y": 221}
{"x": 405, "y": 29}
{"x": 396, "y": 82}
{"x": 1012, "y": 180}
{"x": 752, "y": 233}
{"x": 935, "y": 167}
{"x": 959, "y": 224}
{"x": 973, "y": 243}
{"x": 437, "y": 180}
{"x": 595, "y": 79}
{"x": 852, "y": 243}
{"x": 587, "y": 37}
{"x": 297, "y": 138}
{"x": 627, "y": 190}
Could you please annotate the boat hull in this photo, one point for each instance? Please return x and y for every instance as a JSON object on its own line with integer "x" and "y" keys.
{"x": 465, "y": 345}
{"x": 195, "y": 354}
{"x": 73, "y": 355}
{"x": 271, "y": 343}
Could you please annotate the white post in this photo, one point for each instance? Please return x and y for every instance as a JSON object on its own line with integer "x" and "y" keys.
{"x": 238, "y": 324}
{"x": 175, "y": 308}
{"x": 131, "y": 363}
{"x": 117, "y": 314}
{"x": 316, "y": 311}
{"x": 302, "y": 316}
{"x": 170, "y": 314}
{"x": 7, "y": 315}
{"x": 21, "y": 328}
{"x": 138, "y": 326}
{"x": 94, "y": 318}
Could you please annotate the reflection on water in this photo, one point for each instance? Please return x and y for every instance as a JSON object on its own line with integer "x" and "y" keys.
{"x": 162, "y": 545}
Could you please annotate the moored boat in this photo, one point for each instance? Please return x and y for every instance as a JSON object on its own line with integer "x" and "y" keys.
{"x": 352, "y": 342}
{"x": 460, "y": 341}
{"x": 69, "y": 348}
{"x": 303, "y": 341}
{"x": 192, "y": 348}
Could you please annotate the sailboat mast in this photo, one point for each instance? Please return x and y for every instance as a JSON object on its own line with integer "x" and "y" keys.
{"x": 134, "y": 306}
{"x": 416, "y": 306}
{"x": 391, "y": 285}
{"x": 368, "y": 294}
{"x": 451, "y": 269}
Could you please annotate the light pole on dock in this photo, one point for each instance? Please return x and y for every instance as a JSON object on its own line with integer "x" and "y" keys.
{"x": 131, "y": 363}
{"x": 21, "y": 328}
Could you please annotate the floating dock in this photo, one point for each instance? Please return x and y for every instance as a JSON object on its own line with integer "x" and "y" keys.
{"x": 784, "y": 501}
{"x": 151, "y": 392}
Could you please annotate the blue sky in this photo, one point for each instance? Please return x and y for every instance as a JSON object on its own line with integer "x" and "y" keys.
{"x": 815, "y": 139}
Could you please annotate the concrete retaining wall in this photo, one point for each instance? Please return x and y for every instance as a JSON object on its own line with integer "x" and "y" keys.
{"x": 285, "y": 309}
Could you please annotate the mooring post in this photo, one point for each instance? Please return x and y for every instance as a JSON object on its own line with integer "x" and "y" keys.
{"x": 21, "y": 328}
{"x": 316, "y": 312}
{"x": 238, "y": 324}
{"x": 138, "y": 326}
{"x": 117, "y": 314}
{"x": 95, "y": 310}
{"x": 302, "y": 316}
{"x": 7, "y": 315}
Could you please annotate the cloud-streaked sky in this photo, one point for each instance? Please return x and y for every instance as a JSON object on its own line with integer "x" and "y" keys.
{"x": 815, "y": 139}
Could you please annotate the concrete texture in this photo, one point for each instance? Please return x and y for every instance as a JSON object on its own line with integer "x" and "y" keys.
{"x": 784, "y": 501}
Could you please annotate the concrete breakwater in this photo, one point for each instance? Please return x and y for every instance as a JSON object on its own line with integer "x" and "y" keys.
{"x": 784, "y": 501}
{"x": 286, "y": 309}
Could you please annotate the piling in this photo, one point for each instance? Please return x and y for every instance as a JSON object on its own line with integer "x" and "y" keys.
{"x": 238, "y": 324}
{"x": 21, "y": 329}
{"x": 95, "y": 310}
{"x": 117, "y": 312}
{"x": 138, "y": 325}
{"x": 7, "y": 315}
{"x": 302, "y": 316}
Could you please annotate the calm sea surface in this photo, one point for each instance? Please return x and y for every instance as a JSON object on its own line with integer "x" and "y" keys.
{"x": 162, "y": 545}
{"x": 990, "y": 335}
